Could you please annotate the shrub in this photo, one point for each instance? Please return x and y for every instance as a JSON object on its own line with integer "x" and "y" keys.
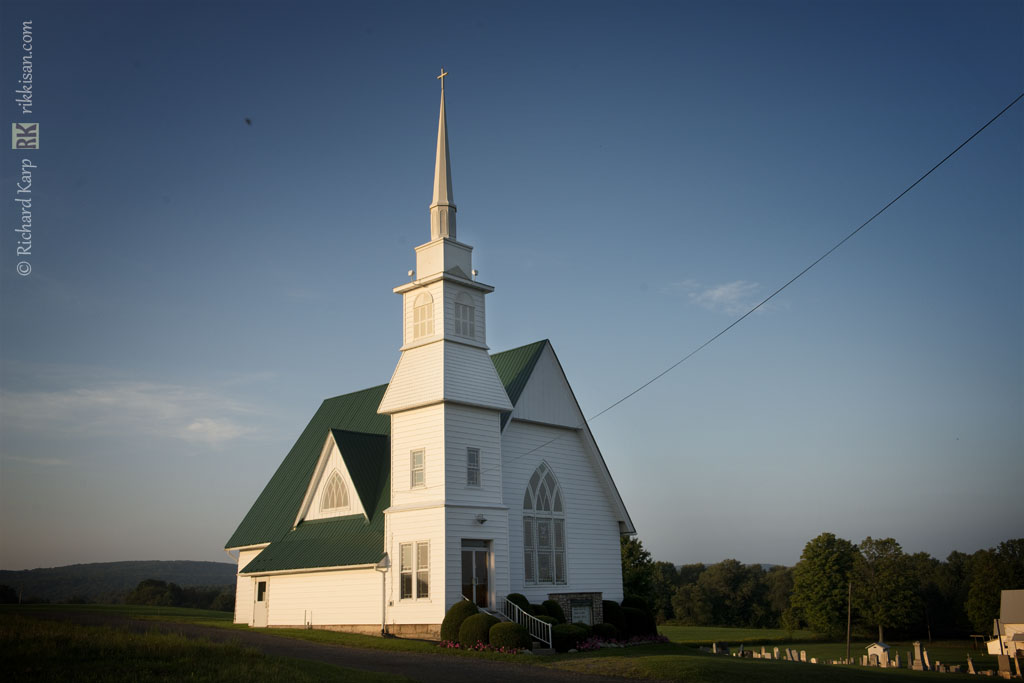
{"x": 510, "y": 634}
{"x": 454, "y": 617}
{"x": 476, "y": 629}
{"x": 554, "y": 609}
{"x": 605, "y": 631}
{"x": 520, "y": 601}
{"x": 638, "y": 623}
{"x": 636, "y": 603}
{"x": 548, "y": 620}
{"x": 613, "y": 615}
{"x": 538, "y": 610}
{"x": 566, "y": 636}
{"x": 586, "y": 628}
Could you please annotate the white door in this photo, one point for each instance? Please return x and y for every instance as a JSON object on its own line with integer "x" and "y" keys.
{"x": 259, "y": 610}
{"x": 476, "y": 561}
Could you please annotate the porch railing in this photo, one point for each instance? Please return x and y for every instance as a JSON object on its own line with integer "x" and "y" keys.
{"x": 539, "y": 630}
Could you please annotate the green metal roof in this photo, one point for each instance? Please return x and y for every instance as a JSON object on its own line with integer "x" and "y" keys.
{"x": 363, "y": 440}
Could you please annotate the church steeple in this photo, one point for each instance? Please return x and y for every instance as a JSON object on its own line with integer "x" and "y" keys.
{"x": 442, "y": 208}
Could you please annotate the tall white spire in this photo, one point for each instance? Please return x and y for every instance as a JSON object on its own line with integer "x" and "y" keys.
{"x": 442, "y": 208}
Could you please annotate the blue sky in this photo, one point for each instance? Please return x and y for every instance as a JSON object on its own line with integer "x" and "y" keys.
{"x": 632, "y": 176}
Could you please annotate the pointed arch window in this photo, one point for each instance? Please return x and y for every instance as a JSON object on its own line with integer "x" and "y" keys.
{"x": 335, "y": 494}
{"x": 543, "y": 529}
{"x": 465, "y": 316}
{"x": 422, "y": 315}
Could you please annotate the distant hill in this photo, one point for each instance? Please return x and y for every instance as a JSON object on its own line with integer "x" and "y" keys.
{"x": 110, "y": 581}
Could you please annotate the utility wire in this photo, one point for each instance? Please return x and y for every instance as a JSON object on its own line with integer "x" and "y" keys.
{"x": 803, "y": 272}
{"x": 771, "y": 296}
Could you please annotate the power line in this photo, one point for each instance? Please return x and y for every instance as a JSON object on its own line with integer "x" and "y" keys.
{"x": 771, "y": 296}
{"x": 803, "y": 272}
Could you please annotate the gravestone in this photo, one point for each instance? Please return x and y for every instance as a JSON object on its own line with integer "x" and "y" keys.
{"x": 776, "y": 655}
{"x": 1016, "y": 663}
{"x": 863, "y": 660}
{"x": 896, "y": 661}
{"x": 814, "y": 660}
{"x": 927, "y": 661}
{"x": 883, "y": 660}
{"x": 762, "y": 651}
{"x": 1004, "y": 664}
{"x": 803, "y": 655}
{"x": 970, "y": 665}
{"x": 917, "y": 663}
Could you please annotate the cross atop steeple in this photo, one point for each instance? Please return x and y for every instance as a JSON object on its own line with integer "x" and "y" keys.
{"x": 442, "y": 206}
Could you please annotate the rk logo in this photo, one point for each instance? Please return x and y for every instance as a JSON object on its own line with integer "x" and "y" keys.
{"x": 24, "y": 136}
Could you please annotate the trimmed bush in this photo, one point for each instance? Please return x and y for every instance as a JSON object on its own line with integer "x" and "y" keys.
{"x": 636, "y": 603}
{"x": 454, "y": 617}
{"x": 476, "y": 629}
{"x": 538, "y": 610}
{"x": 605, "y": 631}
{"x": 548, "y": 620}
{"x": 586, "y": 628}
{"x": 613, "y": 615}
{"x": 510, "y": 634}
{"x": 638, "y": 623}
{"x": 520, "y": 601}
{"x": 554, "y": 609}
{"x": 566, "y": 636}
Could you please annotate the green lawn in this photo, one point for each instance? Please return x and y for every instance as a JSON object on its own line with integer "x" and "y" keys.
{"x": 705, "y": 635}
{"x": 44, "y": 650}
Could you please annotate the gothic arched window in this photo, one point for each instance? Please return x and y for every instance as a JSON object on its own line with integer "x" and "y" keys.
{"x": 543, "y": 529}
{"x": 335, "y": 494}
{"x": 423, "y": 315}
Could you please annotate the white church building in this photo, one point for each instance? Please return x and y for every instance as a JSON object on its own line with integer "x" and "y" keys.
{"x": 468, "y": 476}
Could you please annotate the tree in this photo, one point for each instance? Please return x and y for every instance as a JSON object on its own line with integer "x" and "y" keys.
{"x": 637, "y": 569}
{"x": 779, "y": 581}
{"x": 664, "y": 580}
{"x": 884, "y": 586}
{"x": 820, "y": 581}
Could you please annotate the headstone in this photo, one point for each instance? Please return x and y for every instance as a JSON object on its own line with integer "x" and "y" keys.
{"x": 814, "y": 660}
{"x": 714, "y": 648}
{"x": 927, "y": 661}
{"x": 883, "y": 660}
{"x": 917, "y": 663}
{"x": 1016, "y": 663}
{"x": 1004, "y": 663}
{"x": 863, "y": 660}
{"x": 776, "y": 654}
{"x": 970, "y": 665}
{"x": 803, "y": 655}
{"x": 896, "y": 661}
{"x": 763, "y": 651}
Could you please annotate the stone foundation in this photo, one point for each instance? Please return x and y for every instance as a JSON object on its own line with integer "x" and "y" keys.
{"x": 566, "y": 600}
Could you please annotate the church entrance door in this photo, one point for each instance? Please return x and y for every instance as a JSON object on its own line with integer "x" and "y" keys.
{"x": 259, "y": 610}
{"x": 476, "y": 564}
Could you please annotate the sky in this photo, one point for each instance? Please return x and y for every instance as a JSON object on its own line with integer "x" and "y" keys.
{"x": 225, "y": 194}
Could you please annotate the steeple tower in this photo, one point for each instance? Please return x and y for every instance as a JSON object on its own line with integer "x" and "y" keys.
{"x": 442, "y": 208}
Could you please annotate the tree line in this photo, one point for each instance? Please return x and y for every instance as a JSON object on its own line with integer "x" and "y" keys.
{"x": 148, "y": 592}
{"x": 885, "y": 588}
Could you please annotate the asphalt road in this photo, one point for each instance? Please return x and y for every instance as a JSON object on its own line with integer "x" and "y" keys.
{"x": 426, "y": 668}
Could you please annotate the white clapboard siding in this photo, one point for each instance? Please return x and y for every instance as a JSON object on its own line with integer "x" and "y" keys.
{"x": 244, "y": 588}
{"x": 462, "y": 524}
{"x": 547, "y": 397}
{"x": 413, "y": 526}
{"x": 411, "y": 430}
{"x": 326, "y": 598}
{"x": 470, "y": 377}
{"x": 593, "y": 560}
{"x": 467, "y": 427}
{"x": 418, "y": 379}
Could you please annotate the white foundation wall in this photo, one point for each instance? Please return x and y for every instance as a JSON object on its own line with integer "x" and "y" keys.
{"x": 593, "y": 556}
{"x": 245, "y": 591}
{"x": 417, "y": 526}
{"x": 422, "y": 428}
{"x": 462, "y": 524}
{"x": 350, "y": 596}
{"x": 467, "y": 427}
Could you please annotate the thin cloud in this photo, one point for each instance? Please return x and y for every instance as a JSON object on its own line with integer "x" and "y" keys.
{"x": 734, "y": 298}
{"x": 194, "y": 415}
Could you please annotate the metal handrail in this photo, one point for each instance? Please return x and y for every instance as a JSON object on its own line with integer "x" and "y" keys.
{"x": 539, "y": 630}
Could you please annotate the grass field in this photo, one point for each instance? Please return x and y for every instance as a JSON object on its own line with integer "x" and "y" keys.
{"x": 680, "y": 660}
{"x": 38, "y": 650}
